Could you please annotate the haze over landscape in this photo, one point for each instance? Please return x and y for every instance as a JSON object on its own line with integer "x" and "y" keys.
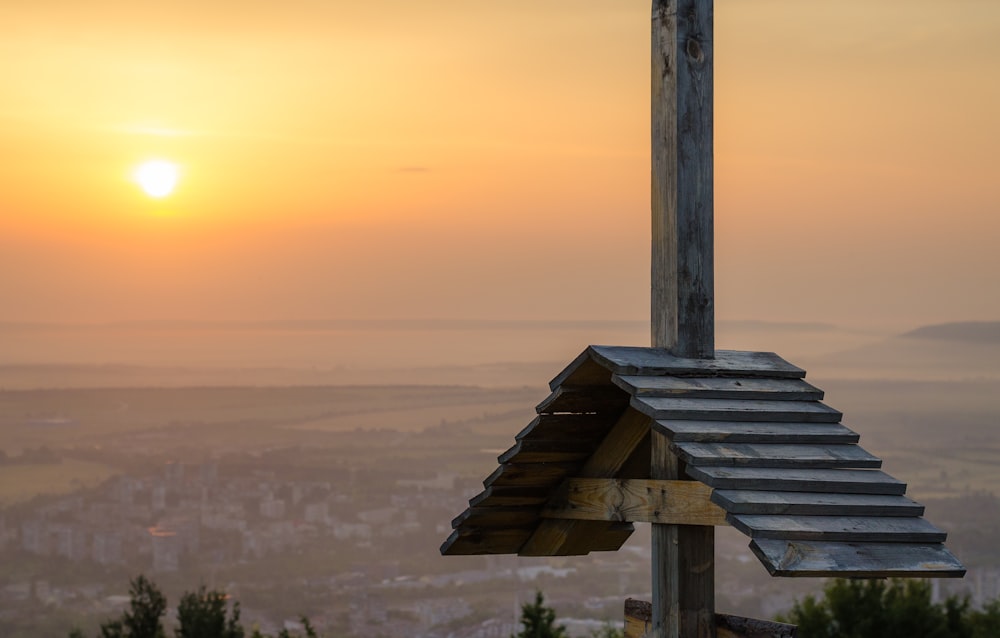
{"x": 393, "y": 223}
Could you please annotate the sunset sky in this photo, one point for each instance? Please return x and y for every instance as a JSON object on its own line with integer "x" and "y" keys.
{"x": 464, "y": 159}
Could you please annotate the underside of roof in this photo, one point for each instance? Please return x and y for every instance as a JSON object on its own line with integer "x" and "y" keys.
{"x": 761, "y": 451}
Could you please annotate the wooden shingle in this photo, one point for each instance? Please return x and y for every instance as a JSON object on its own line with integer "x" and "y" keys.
{"x": 774, "y": 462}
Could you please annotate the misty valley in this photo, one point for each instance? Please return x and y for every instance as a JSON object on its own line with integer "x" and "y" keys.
{"x": 331, "y": 500}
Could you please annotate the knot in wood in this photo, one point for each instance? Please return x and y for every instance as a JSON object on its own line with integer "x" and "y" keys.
{"x": 694, "y": 51}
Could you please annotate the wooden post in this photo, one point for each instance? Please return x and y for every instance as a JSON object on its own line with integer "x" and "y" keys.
{"x": 682, "y": 306}
{"x": 683, "y": 296}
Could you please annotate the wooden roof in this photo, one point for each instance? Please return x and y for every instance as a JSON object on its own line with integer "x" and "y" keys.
{"x": 763, "y": 453}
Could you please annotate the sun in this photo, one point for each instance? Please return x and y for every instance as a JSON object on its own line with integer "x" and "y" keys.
{"x": 157, "y": 178}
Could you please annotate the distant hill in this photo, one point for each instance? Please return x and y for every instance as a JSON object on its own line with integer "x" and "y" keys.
{"x": 967, "y": 331}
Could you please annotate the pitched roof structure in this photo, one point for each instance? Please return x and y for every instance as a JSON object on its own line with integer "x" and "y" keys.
{"x": 761, "y": 450}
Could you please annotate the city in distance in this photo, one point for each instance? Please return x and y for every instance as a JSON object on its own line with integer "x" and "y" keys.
{"x": 301, "y": 483}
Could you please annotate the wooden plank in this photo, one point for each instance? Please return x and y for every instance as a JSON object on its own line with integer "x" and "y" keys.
{"x": 791, "y": 480}
{"x": 738, "y": 627}
{"x": 638, "y": 618}
{"x": 584, "y": 399}
{"x": 509, "y": 496}
{"x": 755, "y": 432}
{"x": 683, "y": 563}
{"x": 718, "y": 388}
{"x": 872, "y": 529}
{"x": 636, "y": 500}
{"x": 499, "y": 517}
{"x": 814, "y": 504}
{"x": 567, "y": 537}
{"x": 546, "y": 451}
{"x": 590, "y": 427}
{"x": 613, "y": 535}
{"x": 639, "y": 614}
{"x": 582, "y": 371}
{"x": 732, "y": 410}
{"x": 857, "y": 560}
{"x": 471, "y": 541}
{"x": 776, "y": 455}
{"x": 658, "y": 361}
{"x": 529, "y": 474}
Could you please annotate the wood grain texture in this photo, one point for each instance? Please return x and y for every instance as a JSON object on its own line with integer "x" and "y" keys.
{"x": 859, "y": 560}
{"x": 683, "y": 563}
{"x": 755, "y": 432}
{"x": 541, "y": 475}
{"x": 532, "y": 450}
{"x": 791, "y": 480}
{"x": 664, "y": 408}
{"x": 583, "y": 370}
{"x": 568, "y": 537}
{"x": 657, "y": 361}
{"x": 814, "y": 504}
{"x": 639, "y": 614}
{"x": 509, "y": 496}
{"x": 507, "y": 517}
{"x": 473, "y": 541}
{"x": 776, "y": 455}
{"x": 683, "y": 298}
{"x": 596, "y": 363}
{"x": 589, "y": 427}
{"x": 718, "y": 388}
{"x": 872, "y": 529}
{"x": 636, "y": 500}
{"x": 739, "y": 627}
{"x": 584, "y": 399}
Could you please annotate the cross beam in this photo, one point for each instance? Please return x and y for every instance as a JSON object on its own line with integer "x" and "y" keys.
{"x": 682, "y": 303}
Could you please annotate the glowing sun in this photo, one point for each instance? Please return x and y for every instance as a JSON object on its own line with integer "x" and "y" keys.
{"x": 157, "y": 177}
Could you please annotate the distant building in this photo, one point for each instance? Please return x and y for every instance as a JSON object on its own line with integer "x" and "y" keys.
{"x": 272, "y": 508}
{"x": 174, "y": 472}
{"x": 158, "y": 497}
{"x": 318, "y": 513}
{"x": 35, "y": 537}
{"x": 106, "y": 548}
{"x": 69, "y": 541}
{"x": 166, "y": 549}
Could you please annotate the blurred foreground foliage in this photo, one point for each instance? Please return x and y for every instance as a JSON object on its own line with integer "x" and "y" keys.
{"x": 201, "y": 614}
{"x": 895, "y": 608}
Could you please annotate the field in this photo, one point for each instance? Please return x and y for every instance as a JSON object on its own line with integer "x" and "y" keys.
{"x": 86, "y": 417}
{"x": 21, "y": 482}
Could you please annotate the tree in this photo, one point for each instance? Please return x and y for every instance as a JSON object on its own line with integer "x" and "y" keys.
{"x": 202, "y": 614}
{"x": 538, "y": 621}
{"x": 144, "y": 618}
{"x": 893, "y": 609}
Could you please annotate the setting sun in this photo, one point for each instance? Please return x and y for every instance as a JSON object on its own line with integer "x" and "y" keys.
{"x": 157, "y": 177}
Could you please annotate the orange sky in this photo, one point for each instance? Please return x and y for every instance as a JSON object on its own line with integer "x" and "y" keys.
{"x": 450, "y": 158}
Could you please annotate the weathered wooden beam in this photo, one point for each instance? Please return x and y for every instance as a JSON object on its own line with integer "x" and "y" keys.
{"x": 638, "y": 616}
{"x": 858, "y": 560}
{"x": 683, "y": 564}
{"x": 683, "y": 302}
{"x": 718, "y": 388}
{"x": 792, "y": 480}
{"x": 889, "y": 529}
{"x": 683, "y": 299}
{"x": 734, "y": 410}
{"x": 635, "y": 500}
{"x": 583, "y": 399}
{"x": 815, "y": 503}
{"x": 755, "y": 432}
{"x": 595, "y": 364}
{"x": 567, "y": 537}
{"x": 776, "y": 455}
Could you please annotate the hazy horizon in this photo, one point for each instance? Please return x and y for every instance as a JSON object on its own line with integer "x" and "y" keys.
{"x": 464, "y": 160}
